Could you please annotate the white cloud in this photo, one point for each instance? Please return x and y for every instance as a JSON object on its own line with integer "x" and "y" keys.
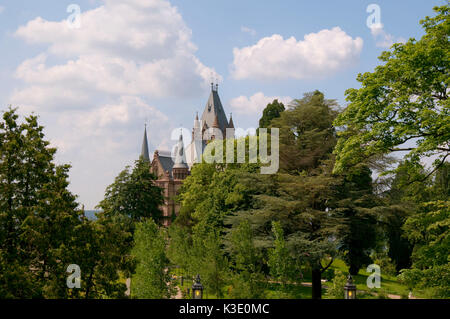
{"x": 98, "y": 143}
{"x": 255, "y": 104}
{"x": 122, "y": 47}
{"x": 317, "y": 55}
{"x": 248, "y": 30}
{"x": 94, "y": 87}
{"x": 384, "y": 40}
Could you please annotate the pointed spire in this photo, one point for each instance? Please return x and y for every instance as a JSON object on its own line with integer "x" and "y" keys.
{"x": 180, "y": 158}
{"x": 196, "y": 122}
{"x": 144, "y": 150}
{"x": 230, "y": 123}
{"x": 196, "y": 116}
{"x": 214, "y": 112}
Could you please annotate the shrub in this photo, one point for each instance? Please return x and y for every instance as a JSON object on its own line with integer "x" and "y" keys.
{"x": 336, "y": 288}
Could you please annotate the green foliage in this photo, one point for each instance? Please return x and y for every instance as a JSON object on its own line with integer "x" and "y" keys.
{"x": 272, "y": 110}
{"x": 298, "y": 196}
{"x": 152, "y": 278}
{"x": 212, "y": 265}
{"x": 384, "y": 261}
{"x": 307, "y": 135}
{"x": 328, "y": 274}
{"x": 403, "y": 100}
{"x": 248, "y": 281}
{"x": 282, "y": 265}
{"x": 336, "y": 287}
{"x": 429, "y": 231}
{"x": 37, "y": 212}
{"x": 103, "y": 254}
{"x": 200, "y": 253}
{"x": 41, "y": 229}
{"x": 354, "y": 202}
{"x": 134, "y": 194}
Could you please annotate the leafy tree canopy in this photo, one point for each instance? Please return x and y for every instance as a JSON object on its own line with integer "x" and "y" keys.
{"x": 272, "y": 110}
{"x": 403, "y": 105}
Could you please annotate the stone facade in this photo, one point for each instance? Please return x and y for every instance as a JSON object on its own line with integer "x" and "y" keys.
{"x": 170, "y": 180}
{"x": 171, "y": 171}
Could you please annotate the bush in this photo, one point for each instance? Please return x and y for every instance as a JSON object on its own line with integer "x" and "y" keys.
{"x": 328, "y": 274}
{"x": 385, "y": 263}
{"x": 336, "y": 289}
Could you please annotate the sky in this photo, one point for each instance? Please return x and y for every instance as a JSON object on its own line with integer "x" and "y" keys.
{"x": 95, "y": 71}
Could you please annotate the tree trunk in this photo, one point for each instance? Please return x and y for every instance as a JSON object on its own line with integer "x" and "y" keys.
{"x": 316, "y": 284}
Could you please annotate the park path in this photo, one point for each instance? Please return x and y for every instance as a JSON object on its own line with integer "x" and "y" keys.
{"x": 179, "y": 295}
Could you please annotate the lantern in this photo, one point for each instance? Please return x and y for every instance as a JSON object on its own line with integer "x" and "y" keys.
{"x": 197, "y": 289}
{"x": 350, "y": 288}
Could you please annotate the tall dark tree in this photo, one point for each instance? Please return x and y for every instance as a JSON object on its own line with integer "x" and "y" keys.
{"x": 298, "y": 196}
{"x": 354, "y": 200}
{"x": 41, "y": 230}
{"x": 152, "y": 277}
{"x": 134, "y": 194}
{"x": 272, "y": 110}
{"x": 307, "y": 135}
{"x": 37, "y": 212}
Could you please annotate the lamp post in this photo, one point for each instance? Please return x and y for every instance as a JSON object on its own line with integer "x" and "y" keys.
{"x": 350, "y": 288}
{"x": 197, "y": 289}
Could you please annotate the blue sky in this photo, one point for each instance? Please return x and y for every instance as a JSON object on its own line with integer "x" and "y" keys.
{"x": 133, "y": 61}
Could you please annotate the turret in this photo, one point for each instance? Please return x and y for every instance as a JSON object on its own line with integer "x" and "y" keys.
{"x": 180, "y": 169}
{"x": 230, "y": 129}
{"x": 213, "y": 115}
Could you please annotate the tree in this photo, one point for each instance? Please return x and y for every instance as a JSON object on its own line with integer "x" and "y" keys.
{"x": 354, "y": 201}
{"x": 42, "y": 231}
{"x": 152, "y": 277}
{"x": 336, "y": 289}
{"x": 37, "y": 212}
{"x": 210, "y": 262}
{"x": 307, "y": 135}
{"x": 272, "y": 110}
{"x": 134, "y": 194}
{"x": 429, "y": 231}
{"x": 248, "y": 281}
{"x": 281, "y": 264}
{"x": 403, "y": 105}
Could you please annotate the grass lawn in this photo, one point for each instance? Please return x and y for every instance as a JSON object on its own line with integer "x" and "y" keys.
{"x": 389, "y": 285}
{"x": 274, "y": 291}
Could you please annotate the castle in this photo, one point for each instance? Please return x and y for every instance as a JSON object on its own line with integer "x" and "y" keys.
{"x": 169, "y": 173}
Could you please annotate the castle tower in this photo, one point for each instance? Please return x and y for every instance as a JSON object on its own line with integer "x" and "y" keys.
{"x": 230, "y": 128}
{"x": 171, "y": 171}
{"x": 180, "y": 169}
{"x": 214, "y": 116}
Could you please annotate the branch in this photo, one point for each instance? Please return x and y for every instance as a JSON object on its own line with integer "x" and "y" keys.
{"x": 431, "y": 173}
{"x": 324, "y": 269}
{"x": 401, "y": 149}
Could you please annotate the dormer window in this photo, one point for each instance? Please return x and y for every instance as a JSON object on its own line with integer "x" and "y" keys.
{"x": 209, "y": 108}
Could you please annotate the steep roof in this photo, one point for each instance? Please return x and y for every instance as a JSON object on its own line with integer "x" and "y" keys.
{"x": 167, "y": 163}
{"x": 180, "y": 157}
{"x": 144, "y": 149}
{"x": 231, "y": 124}
{"x": 214, "y": 108}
